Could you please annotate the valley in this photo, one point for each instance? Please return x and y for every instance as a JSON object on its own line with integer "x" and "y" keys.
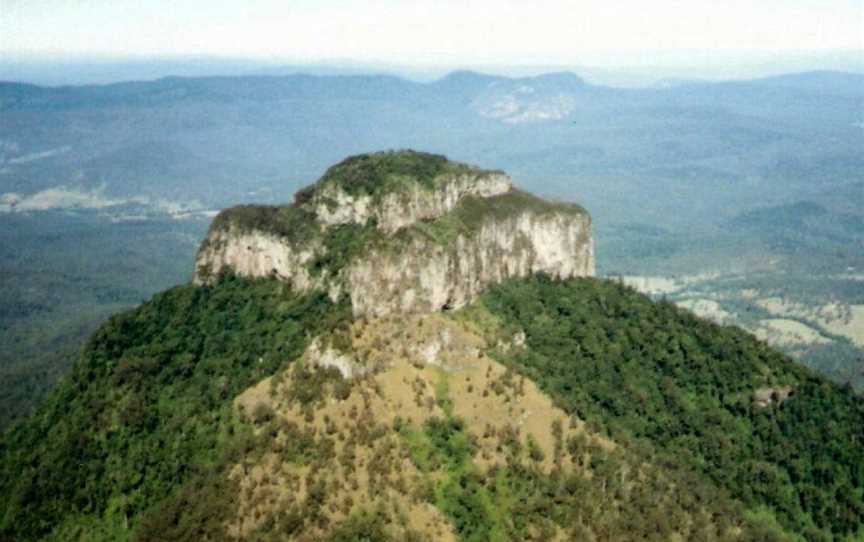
{"x": 820, "y": 330}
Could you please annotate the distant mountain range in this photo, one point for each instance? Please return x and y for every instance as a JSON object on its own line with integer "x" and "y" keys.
{"x": 646, "y": 69}
{"x": 207, "y": 142}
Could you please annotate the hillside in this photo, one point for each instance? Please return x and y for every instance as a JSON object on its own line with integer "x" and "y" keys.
{"x": 542, "y": 404}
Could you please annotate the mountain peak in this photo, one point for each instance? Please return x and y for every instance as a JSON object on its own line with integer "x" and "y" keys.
{"x": 379, "y": 173}
{"x": 468, "y": 76}
{"x": 394, "y": 189}
{"x": 401, "y": 232}
{"x": 561, "y": 78}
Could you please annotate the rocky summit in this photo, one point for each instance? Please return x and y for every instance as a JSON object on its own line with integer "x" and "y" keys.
{"x": 401, "y": 232}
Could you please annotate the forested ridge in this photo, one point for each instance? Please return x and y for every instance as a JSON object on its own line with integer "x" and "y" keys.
{"x": 147, "y": 407}
{"x": 136, "y": 441}
{"x": 655, "y": 373}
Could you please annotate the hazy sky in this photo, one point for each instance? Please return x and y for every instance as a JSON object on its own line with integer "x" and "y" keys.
{"x": 426, "y": 31}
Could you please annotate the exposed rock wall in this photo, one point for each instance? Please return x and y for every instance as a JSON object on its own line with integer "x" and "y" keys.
{"x": 399, "y": 209}
{"x": 421, "y": 276}
{"x": 426, "y": 277}
{"x": 453, "y": 248}
{"x": 255, "y": 254}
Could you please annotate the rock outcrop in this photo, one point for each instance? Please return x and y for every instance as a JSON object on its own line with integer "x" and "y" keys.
{"x": 425, "y": 276}
{"x": 401, "y": 232}
{"x": 396, "y": 210}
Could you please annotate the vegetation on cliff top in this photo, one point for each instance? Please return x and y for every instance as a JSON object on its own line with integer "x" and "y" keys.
{"x": 379, "y": 173}
{"x": 373, "y": 174}
{"x": 294, "y": 223}
{"x": 472, "y": 212}
{"x": 366, "y": 174}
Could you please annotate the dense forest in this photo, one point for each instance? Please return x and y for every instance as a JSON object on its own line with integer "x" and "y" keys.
{"x": 688, "y": 388}
{"x": 147, "y": 407}
{"x": 63, "y": 275}
{"x": 717, "y": 436}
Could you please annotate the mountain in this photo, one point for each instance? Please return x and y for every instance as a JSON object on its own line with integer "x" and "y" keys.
{"x": 216, "y": 139}
{"x": 431, "y": 235}
{"x": 665, "y": 171}
{"x": 415, "y": 350}
{"x": 547, "y": 97}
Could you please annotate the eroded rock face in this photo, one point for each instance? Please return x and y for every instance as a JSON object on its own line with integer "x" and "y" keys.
{"x": 425, "y": 277}
{"x": 423, "y": 250}
{"x": 255, "y": 254}
{"x": 374, "y": 345}
{"x": 327, "y": 357}
{"x": 400, "y": 209}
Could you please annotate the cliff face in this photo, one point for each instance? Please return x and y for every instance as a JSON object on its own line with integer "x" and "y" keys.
{"x": 254, "y": 254}
{"x": 404, "y": 243}
{"x": 398, "y": 209}
{"x": 425, "y": 277}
